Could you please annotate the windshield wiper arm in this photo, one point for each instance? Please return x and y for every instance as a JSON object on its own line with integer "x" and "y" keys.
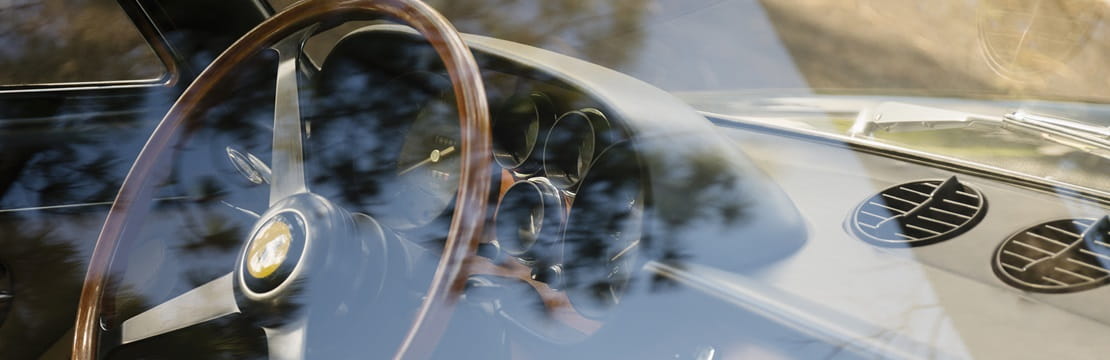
{"x": 1085, "y": 137}
{"x": 893, "y": 116}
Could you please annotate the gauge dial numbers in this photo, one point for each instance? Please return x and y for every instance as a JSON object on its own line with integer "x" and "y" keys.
{"x": 390, "y": 143}
{"x": 428, "y": 164}
{"x": 413, "y": 164}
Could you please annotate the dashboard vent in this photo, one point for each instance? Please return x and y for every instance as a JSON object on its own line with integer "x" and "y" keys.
{"x": 918, "y": 213}
{"x": 1057, "y": 256}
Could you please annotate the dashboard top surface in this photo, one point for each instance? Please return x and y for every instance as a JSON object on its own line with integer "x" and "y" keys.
{"x": 941, "y": 297}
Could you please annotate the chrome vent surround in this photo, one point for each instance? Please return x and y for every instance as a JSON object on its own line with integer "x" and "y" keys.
{"x": 918, "y": 213}
{"x": 1057, "y": 257}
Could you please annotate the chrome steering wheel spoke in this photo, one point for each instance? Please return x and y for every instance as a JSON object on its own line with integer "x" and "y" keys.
{"x": 286, "y": 342}
{"x": 203, "y": 303}
{"x": 288, "y": 153}
{"x": 282, "y": 229}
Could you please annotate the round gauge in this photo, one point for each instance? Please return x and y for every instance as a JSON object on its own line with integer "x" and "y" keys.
{"x": 602, "y": 240}
{"x": 530, "y": 212}
{"x": 570, "y": 145}
{"x": 427, "y": 166}
{"x": 516, "y": 128}
{"x": 391, "y": 148}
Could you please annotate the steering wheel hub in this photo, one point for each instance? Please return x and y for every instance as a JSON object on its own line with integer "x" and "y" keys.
{"x": 299, "y": 235}
{"x": 273, "y": 251}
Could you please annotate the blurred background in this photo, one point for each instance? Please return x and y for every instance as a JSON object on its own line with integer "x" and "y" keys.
{"x": 1008, "y": 48}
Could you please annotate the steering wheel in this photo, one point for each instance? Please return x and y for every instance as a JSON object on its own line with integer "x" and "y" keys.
{"x": 287, "y": 242}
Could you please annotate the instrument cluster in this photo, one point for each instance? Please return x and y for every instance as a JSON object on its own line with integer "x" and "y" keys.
{"x": 570, "y": 198}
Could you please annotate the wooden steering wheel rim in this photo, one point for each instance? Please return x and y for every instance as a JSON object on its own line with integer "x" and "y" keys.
{"x": 474, "y": 180}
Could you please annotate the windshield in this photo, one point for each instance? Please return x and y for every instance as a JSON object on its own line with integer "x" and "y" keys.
{"x": 742, "y": 57}
{"x": 1048, "y": 49}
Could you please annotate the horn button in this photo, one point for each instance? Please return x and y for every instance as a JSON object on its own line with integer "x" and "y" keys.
{"x": 273, "y": 251}
{"x": 305, "y": 245}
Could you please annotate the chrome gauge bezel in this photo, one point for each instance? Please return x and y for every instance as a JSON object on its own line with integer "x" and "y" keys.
{"x": 546, "y": 204}
{"x": 575, "y": 132}
{"x": 521, "y": 117}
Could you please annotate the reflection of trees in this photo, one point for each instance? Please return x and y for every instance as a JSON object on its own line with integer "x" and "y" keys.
{"x": 356, "y": 120}
{"x": 47, "y": 271}
{"x": 583, "y": 29}
{"x": 193, "y": 242}
{"x": 62, "y": 177}
{"x": 360, "y": 109}
{"x": 71, "y": 164}
{"x": 77, "y": 159}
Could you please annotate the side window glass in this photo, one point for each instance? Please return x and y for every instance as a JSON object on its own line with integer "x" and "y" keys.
{"x": 72, "y": 41}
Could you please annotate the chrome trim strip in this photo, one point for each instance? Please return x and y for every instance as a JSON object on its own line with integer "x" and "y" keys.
{"x": 1057, "y": 187}
{"x": 67, "y": 206}
{"x": 159, "y": 83}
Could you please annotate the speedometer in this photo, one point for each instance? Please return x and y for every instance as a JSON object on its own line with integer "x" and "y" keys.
{"x": 398, "y": 150}
{"x": 428, "y": 165}
{"x": 400, "y": 153}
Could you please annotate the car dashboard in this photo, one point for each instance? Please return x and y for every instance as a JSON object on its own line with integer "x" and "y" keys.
{"x": 947, "y": 299}
{"x": 632, "y": 225}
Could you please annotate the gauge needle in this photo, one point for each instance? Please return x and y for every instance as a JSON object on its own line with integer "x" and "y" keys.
{"x": 625, "y": 251}
{"x": 434, "y": 157}
{"x": 528, "y": 233}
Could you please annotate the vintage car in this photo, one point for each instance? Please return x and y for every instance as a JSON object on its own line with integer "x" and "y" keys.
{"x": 555, "y": 179}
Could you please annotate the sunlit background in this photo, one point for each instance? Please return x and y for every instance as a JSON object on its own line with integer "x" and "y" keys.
{"x": 1021, "y": 50}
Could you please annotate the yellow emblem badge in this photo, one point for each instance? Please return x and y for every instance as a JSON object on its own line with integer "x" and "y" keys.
{"x": 269, "y": 249}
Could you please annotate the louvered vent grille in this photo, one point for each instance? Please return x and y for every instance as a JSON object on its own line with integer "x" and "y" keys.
{"x": 1057, "y": 256}
{"x": 918, "y": 213}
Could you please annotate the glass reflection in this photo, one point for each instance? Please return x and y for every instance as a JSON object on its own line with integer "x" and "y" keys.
{"x": 379, "y": 140}
{"x": 364, "y": 112}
